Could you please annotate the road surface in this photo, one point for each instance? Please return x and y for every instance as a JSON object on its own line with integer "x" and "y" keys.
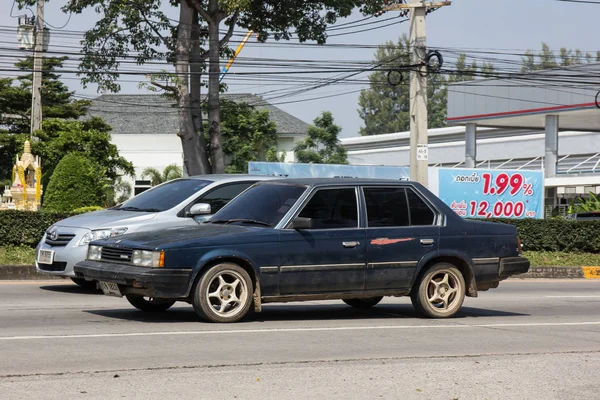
{"x": 528, "y": 339}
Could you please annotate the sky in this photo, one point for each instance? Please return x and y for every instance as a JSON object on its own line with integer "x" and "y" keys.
{"x": 469, "y": 26}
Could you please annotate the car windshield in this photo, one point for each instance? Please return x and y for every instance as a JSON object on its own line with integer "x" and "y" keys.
{"x": 262, "y": 204}
{"x": 165, "y": 196}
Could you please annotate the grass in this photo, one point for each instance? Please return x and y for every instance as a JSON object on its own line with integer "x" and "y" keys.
{"x": 23, "y": 255}
{"x": 561, "y": 259}
{"x": 17, "y": 255}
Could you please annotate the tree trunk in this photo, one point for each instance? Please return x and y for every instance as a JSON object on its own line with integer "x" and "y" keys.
{"x": 194, "y": 155}
{"x": 195, "y": 90}
{"x": 214, "y": 109}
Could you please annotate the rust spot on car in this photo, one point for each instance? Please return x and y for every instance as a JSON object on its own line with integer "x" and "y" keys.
{"x": 384, "y": 241}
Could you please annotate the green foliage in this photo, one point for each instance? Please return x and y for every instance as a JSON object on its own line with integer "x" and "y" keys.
{"x": 118, "y": 193}
{"x": 322, "y": 145}
{"x": 557, "y": 234}
{"x": 385, "y": 108}
{"x": 561, "y": 259}
{"x": 546, "y": 59}
{"x": 172, "y": 171}
{"x": 248, "y": 135}
{"x": 142, "y": 30}
{"x": 82, "y": 210}
{"x": 89, "y": 138}
{"x": 17, "y": 255}
{"x": 10, "y": 145}
{"x": 57, "y": 100}
{"x": 25, "y": 228}
{"x": 585, "y": 205}
{"x": 76, "y": 182}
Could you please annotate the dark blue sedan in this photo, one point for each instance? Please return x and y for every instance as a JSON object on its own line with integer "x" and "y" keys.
{"x": 311, "y": 239}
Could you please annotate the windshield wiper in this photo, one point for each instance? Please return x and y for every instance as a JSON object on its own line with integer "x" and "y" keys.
{"x": 242, "y": 220}
{"x": 139, "y": 209}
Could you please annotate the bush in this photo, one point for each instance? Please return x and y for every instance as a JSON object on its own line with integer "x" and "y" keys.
{"x": 25, "y": 227}
{"x": 76, "y": 182}
{"x": 557, "y": 234}
{"x": 83, "y": 210}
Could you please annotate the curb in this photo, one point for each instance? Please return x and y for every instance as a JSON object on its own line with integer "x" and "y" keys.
{"x": 28, "y": 272}
{"x": 23, "y": 272}
{"x": 552, "y": 273}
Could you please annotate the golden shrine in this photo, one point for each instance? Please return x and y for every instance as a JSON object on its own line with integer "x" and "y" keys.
{"x": 25, "y": 192}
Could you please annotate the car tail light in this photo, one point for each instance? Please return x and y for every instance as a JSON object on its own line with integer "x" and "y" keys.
{"x": 519, "y": 245}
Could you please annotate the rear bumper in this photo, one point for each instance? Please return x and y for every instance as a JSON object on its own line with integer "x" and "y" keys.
{"x": 513, "y": 266}
{"x": 152, "y": 282}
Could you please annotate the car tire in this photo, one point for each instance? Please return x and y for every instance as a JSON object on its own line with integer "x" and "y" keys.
{"x": 90, "y": 285}
{"x": 440, "y": 292}
{"x": 154, "y": 304}
{"x": 223, "y": 294}
{"x": 363, "y": 303}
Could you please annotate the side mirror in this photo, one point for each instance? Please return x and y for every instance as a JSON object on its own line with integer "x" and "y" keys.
{"x": 200, "y": 209}
{"x": 301, "y": 223}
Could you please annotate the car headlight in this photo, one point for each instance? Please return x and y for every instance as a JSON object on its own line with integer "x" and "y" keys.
{"x": 145, "y": 258}
{"x": 100, "y": 234}
{"x": 94, "y": 253}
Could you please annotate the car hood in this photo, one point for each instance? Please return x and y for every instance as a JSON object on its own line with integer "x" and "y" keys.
{"x": 106, "y": 219}
{"x": 187, "y": 237}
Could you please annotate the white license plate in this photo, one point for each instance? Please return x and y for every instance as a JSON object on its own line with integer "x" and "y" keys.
{"x": 45, "y": 256}
{"x": 110, "y": 289}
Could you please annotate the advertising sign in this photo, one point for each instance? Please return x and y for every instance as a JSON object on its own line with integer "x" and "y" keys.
{"x": 293, "y": 170}
{"x": 492, "y": 193}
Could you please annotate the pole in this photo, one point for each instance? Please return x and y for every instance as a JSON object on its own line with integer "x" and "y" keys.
{"x": 36, "y": 88}
{"x": 237, "y": 51}
{"x": 419, "y": 152}
{"x": 419, "y": 149}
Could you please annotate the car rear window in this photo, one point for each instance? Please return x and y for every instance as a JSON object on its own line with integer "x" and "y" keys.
{"x": 165, "y": 196}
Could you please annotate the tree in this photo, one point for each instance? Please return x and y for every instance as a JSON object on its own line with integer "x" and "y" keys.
{"x": 385, "y": 108}
{"x": 248, "y": 135}
{"x": 89, "y": 138}
{"x": 546, "y": 59}
{"x": 139, "y": 29}
{"x": 171, "y": 171}
{"x": 76, "y": 182}
{"x": 322, "y": 145}
{"x": 15, "y": 108}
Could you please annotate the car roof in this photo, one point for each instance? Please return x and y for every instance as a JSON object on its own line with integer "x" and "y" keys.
{"x": 339, "y": 181}
{"x": 231, "y": 177}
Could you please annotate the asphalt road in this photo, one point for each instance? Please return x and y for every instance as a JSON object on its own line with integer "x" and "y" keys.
{"x": 528, "y": 339}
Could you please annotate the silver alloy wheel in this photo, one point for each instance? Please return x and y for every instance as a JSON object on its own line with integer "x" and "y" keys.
{"x": 442, "y": 290}
{"x": 227, "y": 293}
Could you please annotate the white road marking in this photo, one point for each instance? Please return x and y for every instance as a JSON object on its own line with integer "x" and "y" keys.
{"x": 278, "y": 330}
{"x": 574, "y": 297}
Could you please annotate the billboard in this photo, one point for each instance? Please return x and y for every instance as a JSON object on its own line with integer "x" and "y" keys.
{"x": 294, "y": 170}
{"x": 492, "y": 193}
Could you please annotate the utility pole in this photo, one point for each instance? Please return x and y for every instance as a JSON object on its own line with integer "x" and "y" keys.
{"x": 36, "y": 88}
{"x": 419, "y": 149}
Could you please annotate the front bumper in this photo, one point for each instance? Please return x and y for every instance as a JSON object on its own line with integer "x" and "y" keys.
{"x": 513, "y": 266}
{"x": 152, "y": 282}
{"x": 65, "y": 257}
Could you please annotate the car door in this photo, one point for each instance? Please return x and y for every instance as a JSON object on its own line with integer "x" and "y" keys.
{"x": 401, "y": 229}
{"x": 329, "y": 257}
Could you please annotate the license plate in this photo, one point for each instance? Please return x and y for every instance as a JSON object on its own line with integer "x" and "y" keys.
{"x": 46, "y": 256}
{"x": 110, "y": 289}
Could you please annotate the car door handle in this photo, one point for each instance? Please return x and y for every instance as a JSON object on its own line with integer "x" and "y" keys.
{"x": 426, "y": 242}
{"x": 350, "y": 245}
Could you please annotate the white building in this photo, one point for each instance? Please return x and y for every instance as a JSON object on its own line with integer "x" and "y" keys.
{"x": 543, "y": 120}
{"x": 145, "y": 129}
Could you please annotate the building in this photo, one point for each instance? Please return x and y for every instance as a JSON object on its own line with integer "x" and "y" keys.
{"x": 145, "y": 128}
{"x": 547, "y": 120}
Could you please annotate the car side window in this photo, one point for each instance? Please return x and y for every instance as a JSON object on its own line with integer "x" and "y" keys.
{"x": 420, "y": 212}
{"x": 386, "y": 207}
{"x": 217, "y": 198}
{"x": 332, "y": 209}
